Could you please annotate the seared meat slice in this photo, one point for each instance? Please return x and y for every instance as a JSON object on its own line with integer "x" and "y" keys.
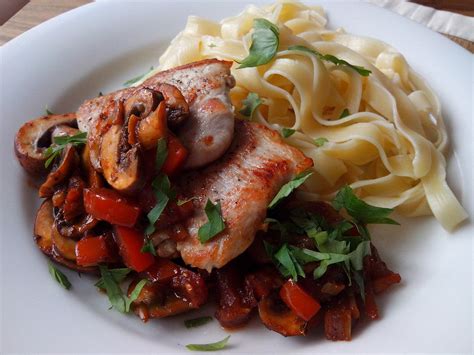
{"x": 205, "y": 85}
{"x": 244, "y": 181}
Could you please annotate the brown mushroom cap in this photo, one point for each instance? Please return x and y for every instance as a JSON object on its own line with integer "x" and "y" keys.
{"x": 34, "y": 137}
{"x": 43, "y": 234}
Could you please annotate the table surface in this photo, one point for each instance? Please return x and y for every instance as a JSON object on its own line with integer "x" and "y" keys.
{"x": 38, "y": 11}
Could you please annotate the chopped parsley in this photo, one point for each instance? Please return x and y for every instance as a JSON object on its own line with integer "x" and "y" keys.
{"x": 215, "y": 223}
{"x": 59, "y": 143}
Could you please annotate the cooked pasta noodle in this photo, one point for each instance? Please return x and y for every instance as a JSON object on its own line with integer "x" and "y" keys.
{"x": 389, "y": 148}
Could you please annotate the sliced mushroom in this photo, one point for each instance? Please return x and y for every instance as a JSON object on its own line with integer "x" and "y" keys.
{"x": 65, "y": 247}
{"x": 43, "y": 235}
{"x": 34, "y": 137}
{"x": 152, "y": 128}
{"x": 63, "y": 130}
{"x": 94, "y": 179}
{"x": 120, "y": 163}
{"x": 142, "y": 103}
{"x": 176, "y": 106}
{"x": 276, "y": 316}
{"x": 60, "y": 172}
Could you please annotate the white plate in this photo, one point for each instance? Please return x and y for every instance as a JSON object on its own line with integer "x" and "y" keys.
{"x": 99, "y": 46}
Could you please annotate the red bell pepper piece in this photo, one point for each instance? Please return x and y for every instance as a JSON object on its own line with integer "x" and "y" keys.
{"x": 92, "y": 251}
{"x": 299, "y": 301}
{"x": 108, "y": 205}
{"x": 380, "y": 284}
{"x": 130, "y": 243}
{"x": 162, "y": 270}
{"x": 177, "y": 155}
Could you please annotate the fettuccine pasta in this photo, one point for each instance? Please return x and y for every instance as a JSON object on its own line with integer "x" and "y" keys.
{"x": 389, "y": 148}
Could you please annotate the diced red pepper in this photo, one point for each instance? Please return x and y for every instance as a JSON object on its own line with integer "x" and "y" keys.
{"x": 130, "y": 243}
{"x": 92, "y": 251}
{"x": 177, "y": 155}
{"x": 162, "y": 270}
{"x": 382, "y": 283}
{"x": 299, "y": 300}
{"x": 108, "y": 205}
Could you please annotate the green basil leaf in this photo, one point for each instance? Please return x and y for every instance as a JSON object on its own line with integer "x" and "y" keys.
{"x": 197, "y": 322}
{"x": 134, "y": 294}
{"x": 59, "y": 276}
{"x": 215, "y": 223}
{"x": 265, "y": 42}
{"x": 250, "y": 104}
{"x": 320, "y": 141}
{"x": 330, "y": 58}
{"x": 161, "y": 153}
{"x": 136, "y": 79}
{"x": 219, "y": 345}
{"x": 288, "y": 188}
{"x": 114, "y": 292}
{"x": 359, "y": 210}
{"x": 287, "y": 132}
{"x": 118, "y": 275}
{"x": 344, "y": 113}
{"x": 148, "y": 247}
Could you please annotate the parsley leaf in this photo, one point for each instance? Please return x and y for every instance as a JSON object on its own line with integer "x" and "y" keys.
{"x": 287, "y": 132}
{"x": 134, "y": 294}
{"x": 161, "y": 153}
{"x": 163, "y": 193}
{"x": 344, "y": 113}
{"x": 116, "y": 297}
{"x": 59, "y": 276}
{"x": 359, "y": 210}
{"x": 136, "y": 79}
{"x": 288, "y": 188}
{"x": 287, "y": 263}
{"x": 250, "y": 104}
{"x": 148, "y": 247}
{"x": 265, "y": 42}
{"x": 118, "y": 275}
{"x": 215, "y": 223}
{"x": 320, "y": 141}
{"x": 47, "y": 111}
{"x": 182, "y": 202}
{"x": 330, "y": 58}
{"x": 219, "y": 345}
{"x": 59, "y": 143}
{"x": 197, "y": 322}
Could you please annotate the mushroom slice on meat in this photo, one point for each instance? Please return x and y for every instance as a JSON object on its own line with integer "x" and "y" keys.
{"x": 120, "y": 163}
{"x": 61, "y": 171}
{"x": 34, "y": 137}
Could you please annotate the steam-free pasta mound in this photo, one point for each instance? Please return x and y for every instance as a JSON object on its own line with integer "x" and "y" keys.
{"x": 383, "y": 134}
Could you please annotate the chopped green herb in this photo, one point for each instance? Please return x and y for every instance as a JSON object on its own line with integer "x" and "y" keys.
{"x": 287, "y": 132}
{"x": 163, "y": 193}
{"x": 320, "y": 141}
{"x": 288, "y": 188}
{"x": 100, "y": 94}
{"x": 250, "y": 104}
{"x": 215, "y": 223}
{"x": 330, "y": 58}
{"x": 136, "y": 79}
{"x": 59, "y": 276}
{"x": 47, "y": 111}
{"x": 219, "y": 345}
{"x": 197, "y": 322}
{"x": 118, "y": 275}
{"x": 265, "y": 42}
{"x": 134, "y": 294}
{"x": 182, "y": 202}
{"x": 148, "y": 247}
{"x": 59, "y": 143}
{"x": 359, "y": 210}
{"x": 161, "y": 153}
{"x": 212, "y": 45}
{"x": 287, "y": 263}
{"x": 116, "y": 297}
{"x": 344, "y": 113}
